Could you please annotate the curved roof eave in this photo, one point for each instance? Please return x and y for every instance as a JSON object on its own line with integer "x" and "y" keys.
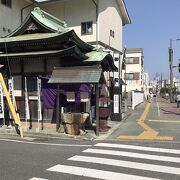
{"x": 15, "y": 32}
{"x": 97, "y": 57}
{"x": 71, "y": 36}
{"x": 48, "y": 21}
{"x": 83, "y": 44}
{"x": 71, "y": 51}
{"x": 44, "y": 19}
{"x": 111, "y": 63}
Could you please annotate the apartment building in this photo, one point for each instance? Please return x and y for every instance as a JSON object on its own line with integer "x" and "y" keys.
{"x": 133, "y": 70}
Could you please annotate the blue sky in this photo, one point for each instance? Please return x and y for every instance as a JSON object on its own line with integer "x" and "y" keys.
{"x": 153, "y": 24}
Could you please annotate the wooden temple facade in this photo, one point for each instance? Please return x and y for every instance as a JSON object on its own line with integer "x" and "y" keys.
{"x": 40, "y": 44}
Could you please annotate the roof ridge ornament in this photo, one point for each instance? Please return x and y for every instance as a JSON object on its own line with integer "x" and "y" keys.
{"x": 44, "y": 14}
{"x": 38, "y": 9}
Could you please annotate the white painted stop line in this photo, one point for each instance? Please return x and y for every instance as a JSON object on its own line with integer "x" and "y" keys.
{"x": 94, "y": 173}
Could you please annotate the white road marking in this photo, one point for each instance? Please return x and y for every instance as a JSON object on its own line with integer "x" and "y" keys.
{"x": 94, "y": 173}
{"x": 158, "y": 109}
{"x": 142, "y": 148}
{"x": 35, "y": 178}
{"x": 134, "y": 155}
{"x": 127, "y": 164}
{"x": 47, "y": 144}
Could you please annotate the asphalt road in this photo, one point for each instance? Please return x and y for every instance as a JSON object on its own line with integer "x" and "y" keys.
{"x": 145, "y": 146}
{"x": 80, "y": 160}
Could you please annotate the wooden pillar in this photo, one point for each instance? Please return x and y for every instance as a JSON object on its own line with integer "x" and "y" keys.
{"x": 22, "y": 77}
{"x": 97, "y": 109}
{"x": 57, "y": 108}
{"x": 45, "y": 65}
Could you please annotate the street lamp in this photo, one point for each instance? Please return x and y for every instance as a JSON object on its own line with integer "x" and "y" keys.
{"x": 171, "y": 68}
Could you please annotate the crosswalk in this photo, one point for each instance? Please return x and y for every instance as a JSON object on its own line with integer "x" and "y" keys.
{"x": 110, "y": 161}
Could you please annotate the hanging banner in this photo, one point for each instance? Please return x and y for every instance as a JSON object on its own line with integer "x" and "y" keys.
{"x": 1, "y": 102}
{"x": 11, "y": 94}
{"x": 39, "y": 99}
{"x": 27, "y": 114}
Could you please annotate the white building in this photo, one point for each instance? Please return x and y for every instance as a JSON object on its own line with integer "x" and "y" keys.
{"x": 133, "y": 70}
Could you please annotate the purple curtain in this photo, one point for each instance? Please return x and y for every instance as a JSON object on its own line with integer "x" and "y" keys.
{"x": 49, "y": 92}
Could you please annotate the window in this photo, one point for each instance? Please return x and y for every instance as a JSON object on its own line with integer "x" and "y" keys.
{"x": 7, "y": 3}
{"x": 129, "y": 60}
{"x": 112, "y": 33}
{"x": 86, "y": 28}
{"x": 131, "y": 76}
{"x": 132, "y": 60}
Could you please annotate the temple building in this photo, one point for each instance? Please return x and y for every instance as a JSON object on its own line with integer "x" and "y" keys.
{"x": 71, "y": 71}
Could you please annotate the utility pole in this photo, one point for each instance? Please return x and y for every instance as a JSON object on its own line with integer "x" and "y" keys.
{"x": 161, "y": 81}
{"x": 171, "y": 68}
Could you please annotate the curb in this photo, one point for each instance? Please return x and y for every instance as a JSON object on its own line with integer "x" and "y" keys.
{"x": 45, "y": 134}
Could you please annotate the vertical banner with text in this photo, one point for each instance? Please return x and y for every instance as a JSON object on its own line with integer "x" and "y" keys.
{"x": 11, "y": 94}
{"x": 39, "y": 99}
{"x": 27, "y": 114}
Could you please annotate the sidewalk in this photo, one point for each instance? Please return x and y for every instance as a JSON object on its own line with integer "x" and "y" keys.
{"x": 50, "y": 131}
{"x": 168, "y": 110}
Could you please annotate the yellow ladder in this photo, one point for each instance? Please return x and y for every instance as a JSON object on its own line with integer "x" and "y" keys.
{"x": 11, "y": 107}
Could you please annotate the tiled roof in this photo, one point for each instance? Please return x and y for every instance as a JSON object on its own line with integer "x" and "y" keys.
{"x": 80, "y": 74}
{"x": 44, "y": 19}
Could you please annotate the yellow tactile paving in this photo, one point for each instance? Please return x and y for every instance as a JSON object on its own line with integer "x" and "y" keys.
{"x": 148, "y": 133}
{"x": 149, "y": 137}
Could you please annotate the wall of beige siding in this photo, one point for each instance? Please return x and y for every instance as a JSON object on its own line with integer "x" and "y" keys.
{"x": 10, "y": 18}
{"x": 110, "y": 19}
{"x": 77, "y": 11}
{"x": 74, "y": 13}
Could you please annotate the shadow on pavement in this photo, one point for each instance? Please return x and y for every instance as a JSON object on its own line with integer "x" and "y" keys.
{"x": 169, "y": 112}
